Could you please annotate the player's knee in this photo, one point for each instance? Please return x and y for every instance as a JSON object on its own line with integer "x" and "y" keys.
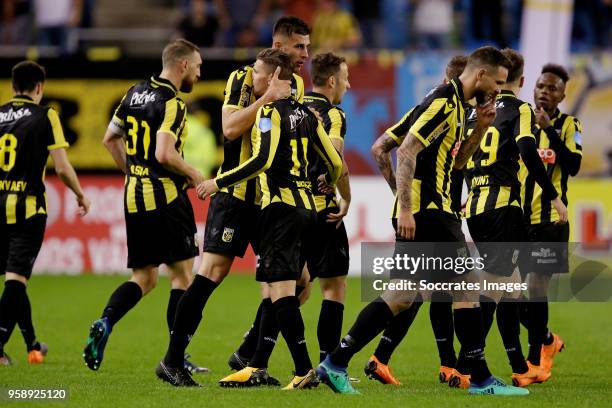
{"x": 304, "y": 295}
{"x": 215, "y": 267}
{"x": 146, "y": 279}
{"x": 333, "y": 288}
{"x": 180, "y": 281}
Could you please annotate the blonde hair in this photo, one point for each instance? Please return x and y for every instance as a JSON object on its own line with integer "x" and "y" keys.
{"x": 177, "y": 51}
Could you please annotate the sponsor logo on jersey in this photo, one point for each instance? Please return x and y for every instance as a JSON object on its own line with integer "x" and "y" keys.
{"x": 143, "y": 98}
{"x": 13, "y": 115}
{"x": 548, "y": 156}
{"x": 296, "y": 117}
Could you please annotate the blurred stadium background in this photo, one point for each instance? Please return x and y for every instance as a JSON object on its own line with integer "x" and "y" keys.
{"x": 95, "y": 49}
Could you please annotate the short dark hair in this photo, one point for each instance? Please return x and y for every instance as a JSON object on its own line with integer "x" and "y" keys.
{"x": 177, "y": 50}
{"x": 26, "y": 75}
{"x": 455, "y": 66}
{"x": 489, "y": 57}
{"x": 515, "y": 72}
{"x": 274, "y": 57}
{"x": 557, "y": 70}
{"x": 324, "y": 66}
{"x": 289, "y": 25}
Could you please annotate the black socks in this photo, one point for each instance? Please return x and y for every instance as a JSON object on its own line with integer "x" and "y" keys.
{"x": 395, "y": 332}
{"x": 329, "y": 328}
{"x": 12, "y": 304}
{"x": 266, "y": 335}
{"x": 441, "y": 317}
{"x": 373, "y": 319}
{"x": 488, "y": 306}
{"x": 538, "y": 323}
{"x": 250, "y": 341}
{"x": 291, "y": 326}
{"x": 187, "y": 318}
{"x": 175, "y": 296}
{"x": 25, "y": 325}
{"x": 125, "y": 297}
{"x": 469, "y": 330}
{"x": 509, "y": 328}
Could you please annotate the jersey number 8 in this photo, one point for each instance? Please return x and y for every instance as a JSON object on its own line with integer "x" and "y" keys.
{"x": 8, "y": 151}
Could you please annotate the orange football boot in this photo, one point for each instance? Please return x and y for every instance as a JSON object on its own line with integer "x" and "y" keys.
{"x": 549, "y": 351}
{"x": 533, "y": 375}
{"x": 376, "y": 370}
{"x": 445, "y": 373}
{"x": 458, "y": 380}
{"x": 38, "y": 356}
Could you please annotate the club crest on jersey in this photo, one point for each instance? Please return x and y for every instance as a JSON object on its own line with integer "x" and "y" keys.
{"x": 228, "y": 234}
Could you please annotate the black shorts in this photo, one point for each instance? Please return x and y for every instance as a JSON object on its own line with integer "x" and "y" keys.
{"x": 547, "y": 249}
{"x": 230, "y": 226}
{"x": 283, "y": 234}
{"x": 163, "y": 236}
{"x": 434, "y": 226}
{"x": 20, "y": 244}
{"x": 441, "y": 235}
{"x": 328, "y": 250}
{"x": 498, "y": 235}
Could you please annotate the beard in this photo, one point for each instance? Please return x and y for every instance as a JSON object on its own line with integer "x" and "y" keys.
{"x": 481, "y": 97}
{"x": 186, "y": 85}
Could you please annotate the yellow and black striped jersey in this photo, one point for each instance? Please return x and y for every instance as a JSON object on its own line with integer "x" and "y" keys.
{"x": 398, "y": 133}
{"x": 492, "y": 171}
{"x": 148, "y": 108}
{"x": 334, "y": 123}
{"x": 438, "y": 122}
{"x": 560, "y": 148}
{"x": 239, "y": 95}
{"x": 283, "y": 133}
{"x": 27, "y": 133}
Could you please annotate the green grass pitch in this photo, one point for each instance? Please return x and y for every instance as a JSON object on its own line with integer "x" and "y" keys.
{"x": 64, "y": 307}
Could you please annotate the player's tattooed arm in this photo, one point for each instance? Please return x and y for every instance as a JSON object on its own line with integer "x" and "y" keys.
{"x": 381, "y": 152}
{"x": 406, "y": 166}
{"x": 468, "y": 147}
{"x": 485, "y": 115}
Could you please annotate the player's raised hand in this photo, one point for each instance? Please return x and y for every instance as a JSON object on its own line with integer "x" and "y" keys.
{"x": 485, "y": 113}
{"x": 406, "y": 226}
{"x": 561, "y": 210}
{"x": 84, "y": 205}
{"x": 542, "y": 118}
{"x": 206, "y": 188}
{"x": 278, "y": 88}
